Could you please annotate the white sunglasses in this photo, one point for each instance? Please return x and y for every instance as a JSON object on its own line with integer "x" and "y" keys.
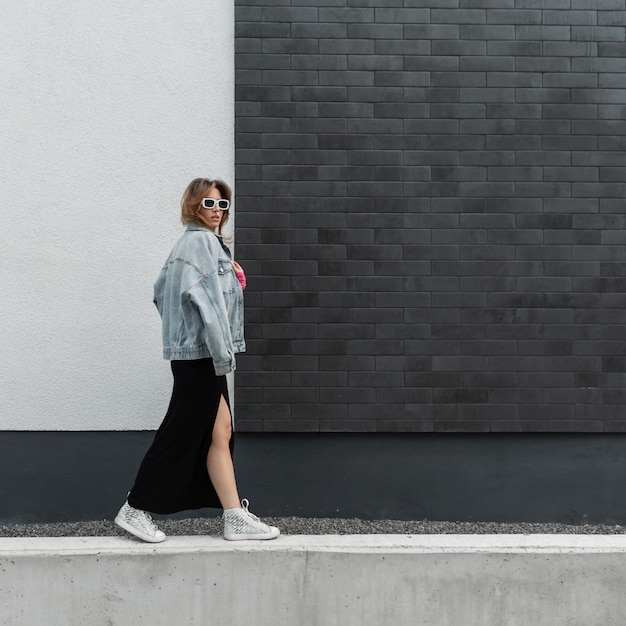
{"x": 212, "y": 203}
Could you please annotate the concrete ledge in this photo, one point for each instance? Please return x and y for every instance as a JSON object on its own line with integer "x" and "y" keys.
{"x": 482, "y": 580}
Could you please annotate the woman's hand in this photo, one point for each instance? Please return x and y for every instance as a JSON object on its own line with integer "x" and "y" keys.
{"x": 239, "y": 273}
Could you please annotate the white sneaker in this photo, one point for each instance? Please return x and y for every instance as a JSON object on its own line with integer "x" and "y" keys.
{"x": 240, "y": 524}
{"x": 139, "y": 523}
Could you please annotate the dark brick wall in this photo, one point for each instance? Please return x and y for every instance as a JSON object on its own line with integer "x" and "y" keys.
{"x": 430, "y": 211}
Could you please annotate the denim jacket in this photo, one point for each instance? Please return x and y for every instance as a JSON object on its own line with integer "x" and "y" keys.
{"x": 200, "y": 301}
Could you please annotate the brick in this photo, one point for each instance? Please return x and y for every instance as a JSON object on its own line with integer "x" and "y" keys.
{"x": 546, "y": 4}
{"x": 597, "y": 33}
{"x": 571, "y": 173}
{"x": 311, "y": 412}
{"x": 611, "y": 18}
{"x": 487, "y": 252}
{"x": 611, "y": 143}
{"x": 486, "y": 189}
{"x": 345, "y": 46}
{"x": 287, "y": 45}
{"x": 261, "y": 29}
{"x": 488, "y": 157}
{"x": 375, "y": 94}
{"x": 262, "y": 93}
{"x": 263, "y": 61}
{"x": 458, "y": 79}
{"x": 488, "y": 315}
{"x": 442, "y": 47}
{"x": 409, "y": 425}
{"x": 450, "y": 110}
{"x": 431, "y": 31}
{"x": 557, "y": 190}
{"x": 602, "y": 96}
{"x": 247, "y": 45}
{"x": 570, "y": 18}
{"x": 291, "y": 426}
{"x": 572, "y": 48}
{"x": 369, "y": 126}
{"x": 491, "y": 32}
{"x": 460, "y": 363}
{"x": 435, "y": 94}
{"x": 435, "y": 126}
{"x": 425, "y": 62}
{"x": 545, "y": 63}
{"x": 466, "y": 426}
{"x": 514, "y": 79}
{"x": 599, "y": 189}
{"x": 515, "y": 111}
{"x": 396, "y": 331}
{"x": 490, "y": 63}
{"x": 403, "y": 16}
{"x": 346, "y": 14}
{"x": 569, "y": 142}
{"x": 374, "y": 220}
{"x": 543, "y": 32}
{"x": 609, "y": 49}
{"x": 612, "y": 81}
{"x": 346, "y": 173}
{"x": 517, "y": 142}
{"x": 487, "y": 4}
{"x": 456, "y": 173}
{"x": 543, "y": 95}
{"x": 289, "y": 14}
{"x": 551, "y": 412}
{"x": 580, "y": 426}
{"x": 458, "y": 16}
{"x": 515, "y": 48}
{"x": 318, "y": 62}
{"x": 403, "y": 78}
{"x": 570, "y": 80}
{"x": 354, "y": 425}
{"x": 613, "y": 269}
{"x": 374, "y": 31}
{"x": 403, "y": 47}
{"x": 515, "y": 173}
{"x": 595, "y": 64}
{"x": 375, "y": 62}
{"x": 315, "y": 31}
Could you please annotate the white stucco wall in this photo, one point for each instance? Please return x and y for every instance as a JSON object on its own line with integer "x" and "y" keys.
{"x": 107, "y": 110}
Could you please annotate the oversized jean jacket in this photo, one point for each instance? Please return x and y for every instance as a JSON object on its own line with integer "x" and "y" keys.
{"x": 200, "y": 301}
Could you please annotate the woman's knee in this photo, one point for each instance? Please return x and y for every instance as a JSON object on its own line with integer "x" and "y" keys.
{"x": 222, "y": 432}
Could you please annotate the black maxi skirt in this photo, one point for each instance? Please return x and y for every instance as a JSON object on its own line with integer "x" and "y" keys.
{"x": 173, "y": 474}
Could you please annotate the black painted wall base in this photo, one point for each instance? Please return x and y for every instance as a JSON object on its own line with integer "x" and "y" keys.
{"x": 567, "y": 478}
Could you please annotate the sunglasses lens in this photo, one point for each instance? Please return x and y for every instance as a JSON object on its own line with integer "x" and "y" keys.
{"x": 208, "y": 203}
{"x": 223, "y": 204}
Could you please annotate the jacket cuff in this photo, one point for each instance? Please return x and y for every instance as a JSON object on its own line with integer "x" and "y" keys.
{"x": 224, "y": 368}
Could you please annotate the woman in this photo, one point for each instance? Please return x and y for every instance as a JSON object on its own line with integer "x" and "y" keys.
{"x": 199, "y": 295}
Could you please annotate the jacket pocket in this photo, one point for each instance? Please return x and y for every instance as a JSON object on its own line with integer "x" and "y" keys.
{"x": 227, "y": 276}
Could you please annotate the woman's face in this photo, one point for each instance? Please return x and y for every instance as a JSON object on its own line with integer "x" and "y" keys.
{"x": 211, "y": 217}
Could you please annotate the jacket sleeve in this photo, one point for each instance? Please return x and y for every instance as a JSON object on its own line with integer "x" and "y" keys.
{"x": 207, "y": 297}
{"x": 159, "y": 286}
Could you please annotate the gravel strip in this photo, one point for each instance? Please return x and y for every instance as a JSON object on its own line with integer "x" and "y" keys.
{"x": 313, "y": 526}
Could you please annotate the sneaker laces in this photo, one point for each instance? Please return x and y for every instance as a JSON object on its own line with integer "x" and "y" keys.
{"x": 244, "y": 505}
{"x": 147, "y": 518}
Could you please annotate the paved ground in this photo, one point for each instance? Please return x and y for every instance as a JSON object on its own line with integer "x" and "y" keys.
{"x": 310, "y": 526}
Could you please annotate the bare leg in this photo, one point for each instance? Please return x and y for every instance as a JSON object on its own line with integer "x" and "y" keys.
{"x": 219, "y": 462}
